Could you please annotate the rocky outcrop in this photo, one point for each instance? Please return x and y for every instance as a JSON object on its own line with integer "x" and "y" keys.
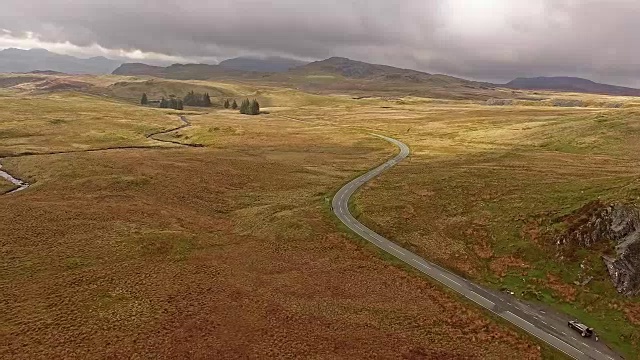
{"x": 614, "y": 224}
{"x": 625, "y": 268}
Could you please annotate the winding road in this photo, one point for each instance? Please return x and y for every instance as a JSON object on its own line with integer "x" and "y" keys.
{"x": 547, "y": 326}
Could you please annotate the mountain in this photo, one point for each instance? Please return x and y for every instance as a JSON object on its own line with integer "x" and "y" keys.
{"x": 16, "y": 60}
{"x": 571, "y": 84}
{"x": 270, "y": 64}
{"x": 358, "y": 77}
{"x": 360, "y": 70}
{"x": 131, "y": 69}
{"x": 333, "y": 75}
{"x": 180, "y": 71}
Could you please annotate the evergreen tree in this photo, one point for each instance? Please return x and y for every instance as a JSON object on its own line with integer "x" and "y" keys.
{"x": 226, "y": 104}
{"x": 173, "y": 103}
{"x": 163, "y": 103}
{"x": 254, "y": 108}
{"x": 234, "y": 105}
{"x": 190, "y": 99}
{"x": 144, "y": 100}
{"x": 244, "y": 106}
{"x": 195, "y": 99}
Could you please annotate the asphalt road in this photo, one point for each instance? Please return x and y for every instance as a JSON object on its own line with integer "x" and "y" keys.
{"x": 547, "y": 326}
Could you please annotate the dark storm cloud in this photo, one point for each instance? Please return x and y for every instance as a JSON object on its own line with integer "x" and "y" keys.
{"x": 201, "y": 28}
{"x": 482, "y": 39}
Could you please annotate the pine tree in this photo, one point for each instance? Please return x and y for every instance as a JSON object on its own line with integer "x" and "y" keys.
{"x": 173, "y": 103}
{"x": 144, "y": 100}
{"x": 234, "y": 105}
{"x": 226, "y": 104}
{"x": 163, "y": 103}
{"x": 180, "y": 105}
{"x": 254, "y": 108}
{"x": 206, "y": 100}
{"x": 244, "y": 106}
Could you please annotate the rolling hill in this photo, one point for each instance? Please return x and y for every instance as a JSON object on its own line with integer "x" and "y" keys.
{"x": 571, "y": 84}
{"x": 180, "y": 71}
{"x": 333, "y": 75}
{"x": 21, "y": 61}
{"x": 360, "y": 70}
{"x": 270, "y": 64}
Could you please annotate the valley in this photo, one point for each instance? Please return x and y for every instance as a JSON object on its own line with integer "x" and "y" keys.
{"x": 130, "y": 242}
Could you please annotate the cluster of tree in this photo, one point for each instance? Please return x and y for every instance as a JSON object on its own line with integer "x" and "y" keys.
{"x": 195, "y": 99}
{"x": 233, "y": 105}
{"x": 249, "y": 107}
{"x": 172, "y": 103}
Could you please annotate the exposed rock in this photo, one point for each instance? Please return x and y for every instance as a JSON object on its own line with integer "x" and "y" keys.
{"x": 616, "y": 224}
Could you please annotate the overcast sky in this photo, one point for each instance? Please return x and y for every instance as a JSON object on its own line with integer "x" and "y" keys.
{"x": 494, "y": 40}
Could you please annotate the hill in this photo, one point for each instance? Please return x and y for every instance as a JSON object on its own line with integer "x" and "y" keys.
{"x": 360, "y": 70}
{"x": 269, "y": 64}
{"x": 358, "y": 77}
{"x": 17, "y": 60}
{"x": 572, "y": 84}
{"x": 333, "y": 75}
{"x": 179, "y": 71}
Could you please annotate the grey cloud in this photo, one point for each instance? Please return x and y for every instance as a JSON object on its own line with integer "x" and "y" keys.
{"x": 590, "y": 38}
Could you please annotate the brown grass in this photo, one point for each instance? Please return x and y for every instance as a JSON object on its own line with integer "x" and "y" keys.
{"x": 227, "y": 251}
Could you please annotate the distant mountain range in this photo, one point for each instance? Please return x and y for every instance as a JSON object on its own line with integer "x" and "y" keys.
{"x": 16, "y": 60}
{"x": 333, "y": 74}
{"x": 335, "y": 67}
{"x": 270, "y": 64}
{"x": 571, "y": 84}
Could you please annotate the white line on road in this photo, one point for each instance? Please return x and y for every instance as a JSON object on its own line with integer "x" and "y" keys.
{"x": 421, "y": 263}
{"x": 457, "y": 283}
{"x": 398, "y": 251}
{"x": 342, "y": 211}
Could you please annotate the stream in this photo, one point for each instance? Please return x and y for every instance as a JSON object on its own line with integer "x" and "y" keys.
{"x": 21, "y": 185}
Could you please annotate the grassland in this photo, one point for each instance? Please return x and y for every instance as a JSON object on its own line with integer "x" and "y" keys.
{"x": 484, "y": 184}
{"x": 225, "y": 251}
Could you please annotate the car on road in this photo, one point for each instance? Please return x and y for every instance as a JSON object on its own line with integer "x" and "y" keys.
{"x": 583, "y": 329}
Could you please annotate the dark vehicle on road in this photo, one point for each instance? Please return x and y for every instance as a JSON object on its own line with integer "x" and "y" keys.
{"x": 583, "y": 329}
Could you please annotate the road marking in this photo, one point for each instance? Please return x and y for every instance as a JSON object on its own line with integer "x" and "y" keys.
{"x": 386, "y": 245}
{"x": 481, "y": 297}
{"x": 457, "y": 283}
{"x": 421, "y": 263}
{"x": 398, "y": 251}
{"x": 550, "y": 335}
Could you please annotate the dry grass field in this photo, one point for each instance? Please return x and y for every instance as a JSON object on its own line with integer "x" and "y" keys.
{"x": 223, "y": 251}
{"x": 484, "y": 183}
